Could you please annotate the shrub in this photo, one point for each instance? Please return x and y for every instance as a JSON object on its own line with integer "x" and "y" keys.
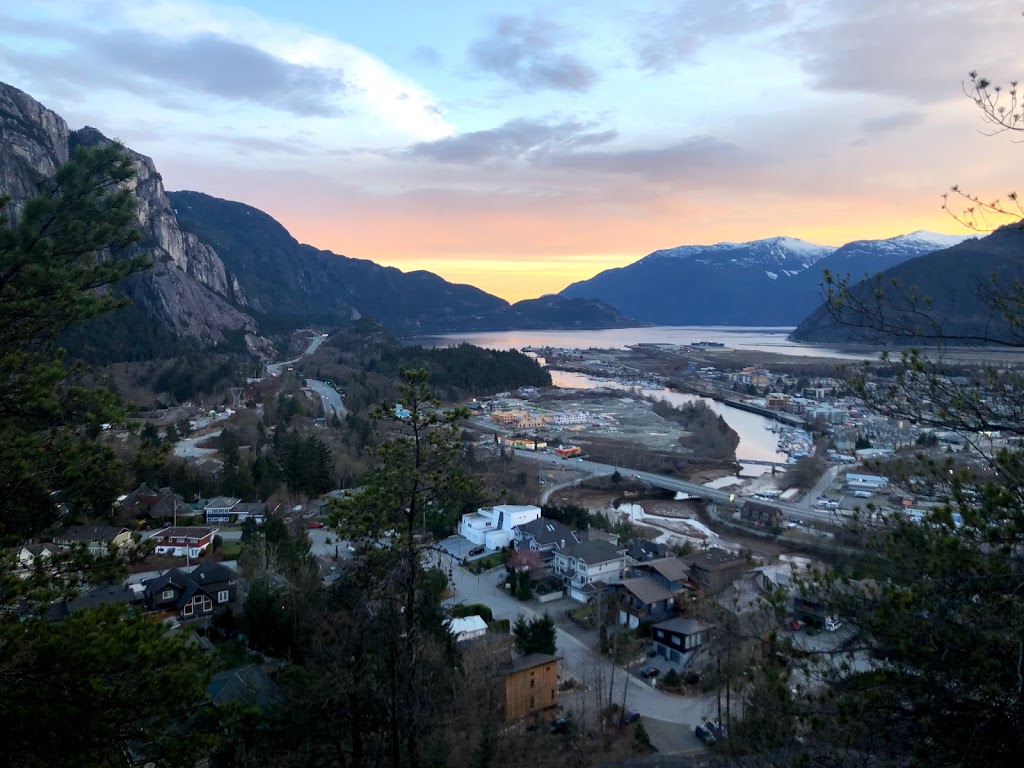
{"x": 672, "y": 679}
{"x": 641, "y": 739}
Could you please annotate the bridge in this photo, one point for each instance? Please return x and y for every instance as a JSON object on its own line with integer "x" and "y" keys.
{"x": 725, "y": 497}
{"x": 762, "y": 463}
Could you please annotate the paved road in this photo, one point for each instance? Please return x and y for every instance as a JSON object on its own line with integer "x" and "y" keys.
{"x": 791, "y": 511}
{"x": 274, "y": 369}
{"x": 580, "y": 661}
{"x": 329, "y": 395}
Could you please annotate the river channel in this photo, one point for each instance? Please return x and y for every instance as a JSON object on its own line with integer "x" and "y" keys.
{"x": 757, "y": 442}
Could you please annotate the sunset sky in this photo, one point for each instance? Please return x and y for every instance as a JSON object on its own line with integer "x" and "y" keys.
{"x": 522, "y": 146}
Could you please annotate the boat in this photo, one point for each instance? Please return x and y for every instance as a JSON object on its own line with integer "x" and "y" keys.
{"x": 700, "y": 344}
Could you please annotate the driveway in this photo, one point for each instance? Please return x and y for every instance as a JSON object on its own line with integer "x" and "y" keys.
{"x": 580, "y": 661}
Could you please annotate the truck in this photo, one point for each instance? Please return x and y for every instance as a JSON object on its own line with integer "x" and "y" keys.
{"x": 863, "y": 494}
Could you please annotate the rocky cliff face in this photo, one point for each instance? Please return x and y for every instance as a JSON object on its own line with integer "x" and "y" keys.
{"x": 189, "y": 289}
{"x": 33, "y": 142}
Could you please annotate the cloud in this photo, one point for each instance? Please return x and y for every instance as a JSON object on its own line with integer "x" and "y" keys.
{"x": 520, "y": 139}
{"x": 892, "y": 122}
{"x": 676, "y": 37}
{"x": 703, "y": 158}
{"x": 916, "y": 49}
{"x": 216, "y": 66}
{"x": 525, "y": 52}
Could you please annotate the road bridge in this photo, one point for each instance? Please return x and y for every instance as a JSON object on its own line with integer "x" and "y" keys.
{"x": 801, "y": 511}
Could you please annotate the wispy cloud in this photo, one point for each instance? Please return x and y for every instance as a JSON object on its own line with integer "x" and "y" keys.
{"x": 520, "y": 139}
{"x": 527, "y": 52}
{"x": 671, "y": 38}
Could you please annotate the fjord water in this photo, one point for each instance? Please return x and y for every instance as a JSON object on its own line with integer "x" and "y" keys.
{"x": 762, "y": 339}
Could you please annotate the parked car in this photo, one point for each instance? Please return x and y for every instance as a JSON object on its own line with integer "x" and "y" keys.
{"x": 832, "y": 623}
{"x": 648, "y": 672}
{"x": 629, "y": 716}
{"x": 704, "y": 733}
{"x": 315, "y": 524}
{"x": 719, "y": 731}
{"x": 477, "y": 551}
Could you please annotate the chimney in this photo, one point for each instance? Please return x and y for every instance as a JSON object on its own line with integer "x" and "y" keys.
{"x": 562, "y": 545}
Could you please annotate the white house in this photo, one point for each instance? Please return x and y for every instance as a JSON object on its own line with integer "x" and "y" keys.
{"x": 491, "y": 527}
{"x": 867, "y": 482}
{"x": 180, "y": 541}
{"x": 468, "y": 627}
{"x": 582, "y": 565}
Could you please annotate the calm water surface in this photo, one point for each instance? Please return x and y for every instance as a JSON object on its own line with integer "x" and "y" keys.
{"x": 766, "y": 339}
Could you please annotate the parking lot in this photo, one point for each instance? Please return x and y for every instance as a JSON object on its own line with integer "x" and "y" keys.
{"x": 459, "y": 547}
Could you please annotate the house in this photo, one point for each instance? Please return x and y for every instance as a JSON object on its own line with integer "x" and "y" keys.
{"x": 675, "y": 638}
{"x": 117, "y": 594}
{"x": 545, "y": 536}
{"x": 467, "y": 628}
{"x": 588, "y": 566}
{"x": 248, "y": 685}
{"x": 190, "y": 594}
{"x": 143, "y": 496}
{"x": 643, "y": 599}
{"x": 641, "y": 550}
{"x": 531, "y": 685}
{"x": 220, "y": 510}
{"x": 653, "y": 591}
{"x": 98, "y": 539}
{"x": 169, "y": 506}
{"x": 30, "y": 554}
{"x": 190, "y": 541}
{"x": 255, "y": 511}
{"x": 715, "y": 569}
{"x": 492, "y": 527}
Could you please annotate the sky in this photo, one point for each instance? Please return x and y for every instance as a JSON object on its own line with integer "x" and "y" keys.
{"x": 522, "y": 146}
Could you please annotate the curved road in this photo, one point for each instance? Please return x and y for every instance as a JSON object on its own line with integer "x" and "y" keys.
{"x": 329, "y": 395}
{"x": 794, "y": 511}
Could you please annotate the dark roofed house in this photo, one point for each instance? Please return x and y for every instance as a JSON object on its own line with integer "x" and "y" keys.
{"x": 653, "y": 592}
{"x": 545, "y": 536}
{"x": 716, "y": 569}
{"x": 254, "y": 510}
{"x": 641, "y": 550}
{"x": 98, "y": 539}
{"x": 206, "y": 588}
{"x": 589, "y": 565}
{"x": 676, "y": 638}
{"x": 248, "y": 685}
{"x": 643, "y": 599}
{"x": 108, "y": 595}
{"x": 170, "y": 507}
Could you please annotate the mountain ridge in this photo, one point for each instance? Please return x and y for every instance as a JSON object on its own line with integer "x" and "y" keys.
{"x": 771, "y": 281}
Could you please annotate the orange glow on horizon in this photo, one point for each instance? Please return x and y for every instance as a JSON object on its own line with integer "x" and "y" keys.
{"x": 530, "y": 253}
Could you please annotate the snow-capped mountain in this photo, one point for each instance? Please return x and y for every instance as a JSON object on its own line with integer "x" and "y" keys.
{"x": 764, "y": 282}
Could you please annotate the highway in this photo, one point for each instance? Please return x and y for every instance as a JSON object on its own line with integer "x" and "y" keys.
{"x": 801, "y": 511}
{"x": 330, "y": 396}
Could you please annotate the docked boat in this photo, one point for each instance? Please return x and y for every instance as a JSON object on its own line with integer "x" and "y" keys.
{"x": 701, "y": 344}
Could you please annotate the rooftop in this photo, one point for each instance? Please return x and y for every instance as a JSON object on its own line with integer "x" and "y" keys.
{"x": 682, "y": 626}
{"x": 647, "y": 589}
{"x": 531, "y": 661}
{"x": 591, "y": 552}
{"x": 547, "y": 531}
{"x": 672, "y": 568}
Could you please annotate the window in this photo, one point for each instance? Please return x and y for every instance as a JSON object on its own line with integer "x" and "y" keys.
{"x": 222, "y": 596}
{"x": 675, "y": 640}
{"x": 167, "y": 594}
{"x": 188, "y": 608}
{"x": 532, "y": 681}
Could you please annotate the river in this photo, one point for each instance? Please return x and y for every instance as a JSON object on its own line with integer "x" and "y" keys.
{"x": 756, "y": 441}
{"x": 765, "y": 339}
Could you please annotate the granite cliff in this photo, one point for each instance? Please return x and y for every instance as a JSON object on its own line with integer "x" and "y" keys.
{"x": 188, "y": 291}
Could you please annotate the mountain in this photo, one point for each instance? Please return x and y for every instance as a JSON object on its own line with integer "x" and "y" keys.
{"x": 764, "y": 282}
{"x": 188, "y": 292}
{"x": 955, "y": 281}
{"x": 289, "y": 284}
{"x": 227, "y": 275}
